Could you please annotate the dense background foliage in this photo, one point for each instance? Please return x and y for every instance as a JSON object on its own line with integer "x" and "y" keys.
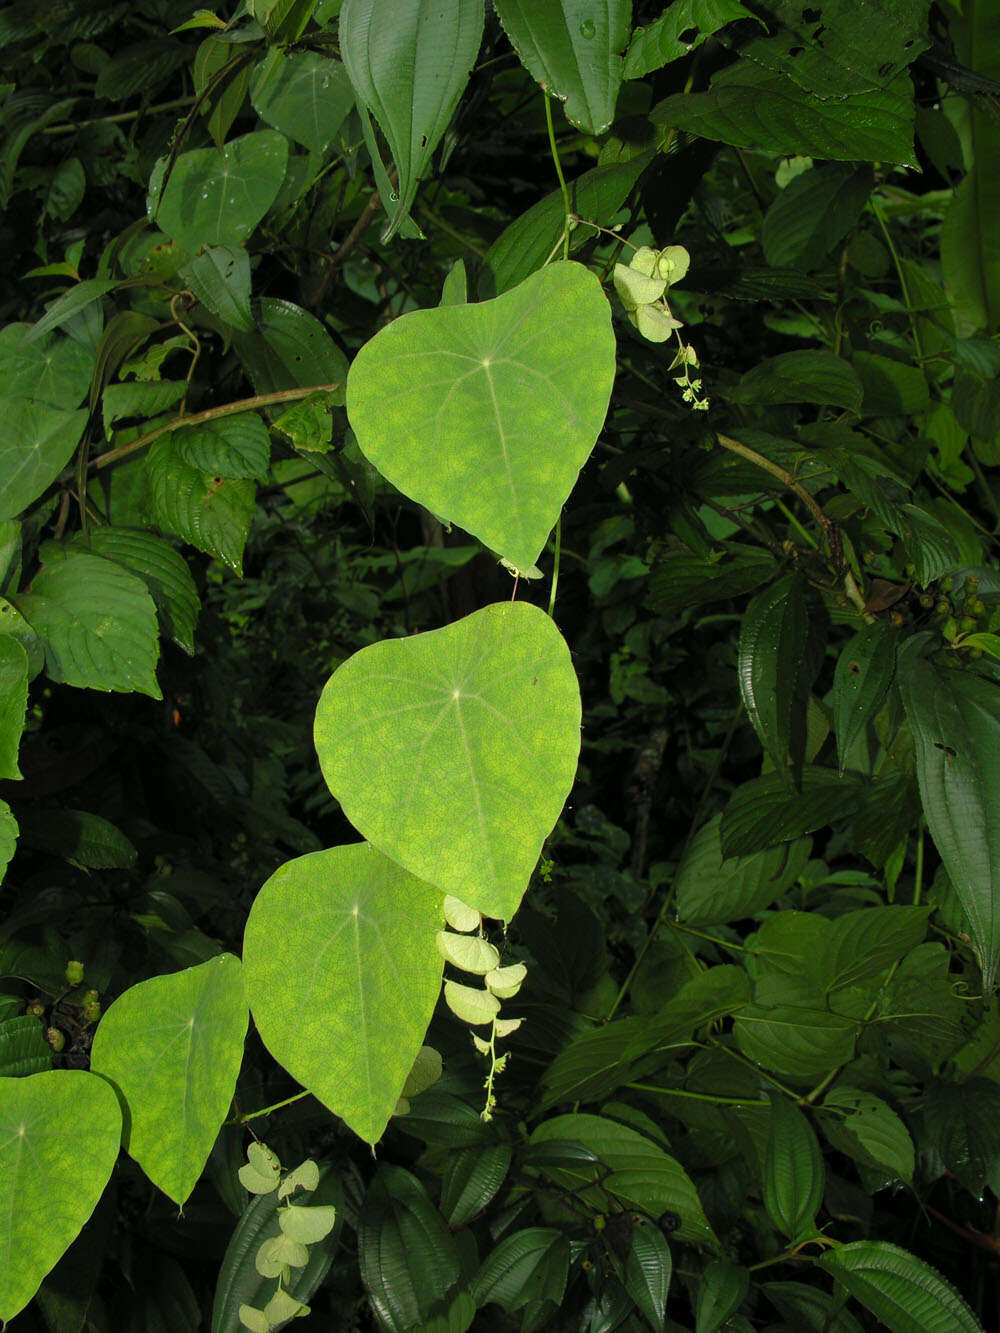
{"x": 739, "y": 1082}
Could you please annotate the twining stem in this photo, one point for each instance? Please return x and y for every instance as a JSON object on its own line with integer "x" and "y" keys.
{"x": 266, "y": 1110}
{"x": 211, "y": 414}
{"x": 783, "y": 475}
{"x": 119, "y": 117}
{"x": 559, "y": 172}
{"x": 698, "y": 1096}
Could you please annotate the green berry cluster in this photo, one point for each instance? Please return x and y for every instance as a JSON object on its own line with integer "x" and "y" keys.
{"x": 965, "y": 621}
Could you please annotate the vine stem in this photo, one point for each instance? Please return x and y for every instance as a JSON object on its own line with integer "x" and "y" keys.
{"x": 119, "y": 118}
{"x": 559, "y": 172}
{"x": 210, "y": 414}
{"x": 266, "y": 1110}
{"x": 784, "y": 476}
{"x": 555, "y": 569}
{"x": 698, "y": 1096}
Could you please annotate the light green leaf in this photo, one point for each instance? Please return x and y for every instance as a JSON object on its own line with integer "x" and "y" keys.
{"x": 209, "y": 511}
{"x": 173, "y": 1046}
{"x": 217, "y": 196}
{"x": 449, "y": 404}
{"x": 641, "y": 1175}
{"x": 237, "y": 446}
{"x": 304, "y": 94}
{"x": 307, "y": 1224}
{"x": 812, "y": 214}
{"x": 468, "y": 952}
{"x": 309, "y": 424}
{"x": 36, "y": 445}
{"x": 53, "y": 371}
{"x": 8, "y": 837}
{"x": 955, "y": 720}
{"x": 573, "y": 48}
{"x": 801, "y": 377}
{"x": 335, "y": 939}
{"x": 290, "y": 349}
{"x": 661, "y": 42}
{"x": 304, "y": 1177}
{"x": 472, "y": 1004}
{"x": 408, "y": 64}
{"x": 163, "y": 570}
{"x": 474, "y": 727}
{"x": 48, "y": 1186}
{"x": 750, "y": 107}
{"x": 239, "y": 1282}
{"x": 97, "y": 624}
{"x": 906, "y": 1294}
{"x": 793, "y": 1170}
{"x": 13, "y": 703}
{"x": 865, "y": 669}
{"x": 220, "y": 279}
{"x": 710, "y": 889}
{"x": 261, "y": 1171}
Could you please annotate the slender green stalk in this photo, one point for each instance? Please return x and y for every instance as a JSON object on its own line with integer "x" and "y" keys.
{"x": 559, "y": 172}
{"x": 698, "y": 1096}
{"x": 555, "y": 569}
{"x": 266, "y": 1110}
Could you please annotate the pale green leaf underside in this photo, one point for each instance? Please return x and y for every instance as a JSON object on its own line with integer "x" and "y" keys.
{"x": 59, "y": 1137}
{"x": 486, "y": 413}
{"x": 473, "y": 729}
{"x": 173, "y": 1046}
{"x": 342, "y": 974}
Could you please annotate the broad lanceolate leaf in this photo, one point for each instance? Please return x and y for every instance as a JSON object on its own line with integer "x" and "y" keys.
{"x": 473, "y": 728}
{"x": 748, "y": 106}
{"x": 573, "y": 48}
{"x": 163, "y": 570}
{"x": 955, "y": 720}
{"x": 36, "y": 444}
{"x": 97, "y": 624}
{"x": 865, "y": 669}
{"x": 763, "y": 812}
{"x": 13, "y": 702}
{"x": 812, "y": 214}
{"x": 342, "y": 976}
{"x": 907, "y": 1295}
{"x": 208, "y": 510}
{"x": 648, "y": 1270}
{"x": 641, "y": 1175}
{"x": 237, "y": 446}
{"x": 220, "y": 279}
{"x": 872, "y": 1133}
{"x": 793, "y": 1170}
{"x": 771, "y": 651}
{"x": 172, "y": 1046}
{"x": 407, "y": 1256}
{"x": 527, "y": 1266}
{"x": 49, "y": 1186}
{"x": 290, "y": 348}
{"x": 710, "y": 889}
{"x": 486, "y": 413}
{"x": 802, "y": 377}
{"x": 472, "y": 1177}
{"x": 304, "y": 94}
{"x": 217, "y": 196}
{"x": 723, "y": 1289}
{"x": 681, "y": 27}
{"x": 408, "y": 64}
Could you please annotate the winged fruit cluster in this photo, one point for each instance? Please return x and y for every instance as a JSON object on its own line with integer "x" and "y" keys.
{"x": 642, "y": 285}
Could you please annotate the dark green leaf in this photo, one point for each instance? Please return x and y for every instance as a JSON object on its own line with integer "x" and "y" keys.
{"x": 530, "y": 1265}
{"x": 681, "y": 27}
{"x": 963, "y": 1123}
{"x": 955, "y": 719}
{"x": 237, "y": 446}
{"x": 23, "y": 1048}
{"x": 8, "y": 837}
{"x": 13, "y": 702}
{"x": 860, "y": 945}
{"x": 471, "y": 1179}
{"x": 906, "y": 1294}
{"x": 709, "y": 889}
{"x": 53, "y": 371}
{"x": 573, "y": 50}
{"x": 220, "y": 279}
{"x": 304, "y": 94}
{"x": 62, "y": 310}
{"x": 872, "y": 1133}
{"x": 409, "y": 64}
{"x": 97, "y": 623}
{"x": 648, "y": 1270}
{"x": 205, "y": 509}
{"x": 801, "y": 377}
{"x": 680, "y": 579}
{"x": 865, "y": 669}
{"x": 771, "y": 652}
{"x": 796, "y": 1042}
{"x": 289, "y": 349}
{"x": 812, "y": 214}
{"x": 724, "y": 1287}
{"x": 82, "y": 838}
{"x": 38, "y": 441}
{"x": 139, "y": 399}
{"x": 793, "y": 1170}
{"x": 763, "y": 812}
{"x": 810, "y": 1310}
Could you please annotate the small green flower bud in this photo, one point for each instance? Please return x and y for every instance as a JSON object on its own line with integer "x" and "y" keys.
{"x": 943, "y": 607}
{"x": 977, "y": 607}
{"x": 971, "y": 584}
{"x": 74, "y": 972}
{"x": 950, "y": 629}
{"x": 926, "y": 601}
{"x": 947, "y": 584}
{"x": 36, "y": 1009}
{"x": 967, "y": 624}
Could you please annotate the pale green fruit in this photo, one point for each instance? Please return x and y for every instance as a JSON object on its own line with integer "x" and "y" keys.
{"x": 470, "y": 1004}
{"x": 635, "y": 289}
{"x": 505, "y": 982}
{"x": 468, "y": 952}
{"x": 460, "y": 916}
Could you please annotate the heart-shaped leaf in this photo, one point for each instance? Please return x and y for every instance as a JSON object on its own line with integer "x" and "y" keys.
{"x": 173, "y": 1046}
{"x": 486, "y": 413}
{"x": 342, "y": 975}
{"x": 474, "y": 728}
{"x": 59, "y": 1137}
